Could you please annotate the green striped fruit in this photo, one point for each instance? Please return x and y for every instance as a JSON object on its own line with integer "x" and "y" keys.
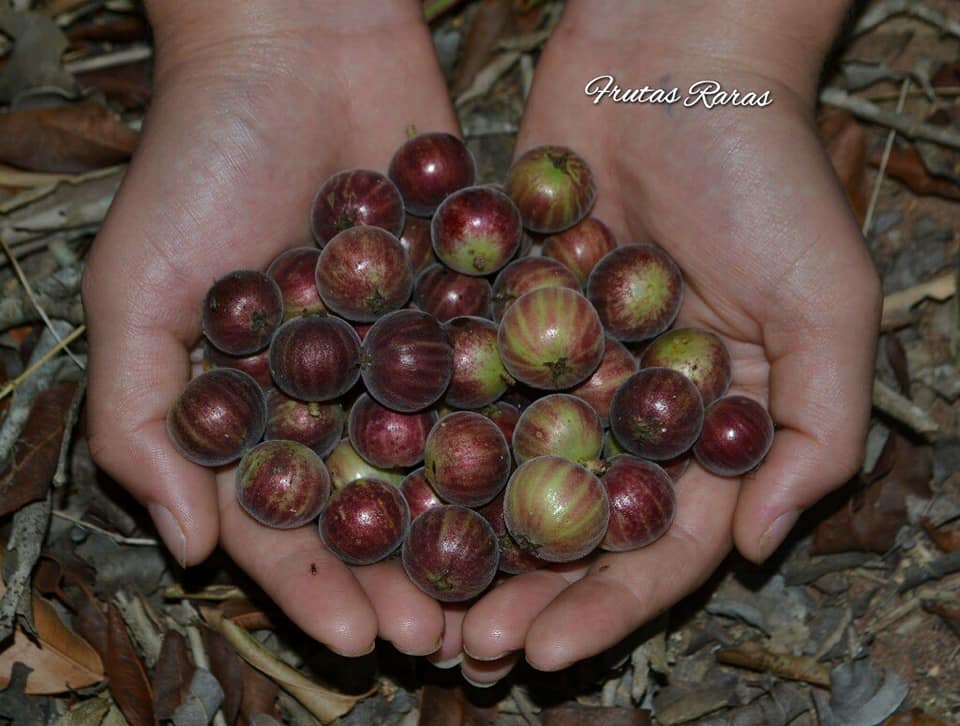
{"x": 553, "y": 188}
{"x": 560, "y": 425}
{"x": 346, "y": 465}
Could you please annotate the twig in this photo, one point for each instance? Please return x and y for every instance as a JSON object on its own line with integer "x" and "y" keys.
{"x": 888, "y": 401}
{"x": 489, "y": 75}
{"x": 118, "y": 538}
{"x": 73, "y": 413}
{"x": 942, "y": 92}
{"x": 896, "y": 305}
{"x": 883, "y": 11}
{"x": 919, "y": 574}
{"x": 909, "y": 127}
{"x": 12, "y": 385}
{"x": 109, "y": 60}
{"x": 881, "y": 172}
{"x": 807, "y": 572}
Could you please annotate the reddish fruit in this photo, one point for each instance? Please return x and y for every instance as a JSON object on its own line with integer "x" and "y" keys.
{"x": 318, "y": 426}
{"x": 240, "y": 312}
{"x": 355, "y": 197}
{"x": 346, "y": 465}
{"x": 699, "y": 354}
{"x": 555, "y": 509}
{"x": 295, "y": 272}
{"x": 365, "y": 521}
{"x": 419, "y": 494}
{"x": 581, "y": 247}
{"x": 677, "y": 466}
{"x": 446, "y": 294}
{"x": 505, "y": 416}
{"x": 479, "y": 377}
{"x": 656, "y": 413}
{"x": 525, "y": 275}
{"x": 256, "y": 364}
{"x": 737, "y": 434}
{"x": 388, "y": 438}
{"x": 450, "y": 553}
{"x": 513, "y": 559}
{"x": 407, "y": 360}
{"x": 642, "y": 503}
{"x": 551, "y": 338}
{"x": 428, "y": 168}
{"x": 363, "y": 273}
{"x": 552, "y": 186}
{"x": 637, "y": 290}
{"x": 415, "y": 239}
{"x": 467, "y": 460}
{"x": 315, "y": 358}
{"x": 618, "y": 365}
{"x": 217, "y": 417}
{"x": 559, "y": 425}
{"x": 476, "y": 230}
{"x": 282, "y": 484}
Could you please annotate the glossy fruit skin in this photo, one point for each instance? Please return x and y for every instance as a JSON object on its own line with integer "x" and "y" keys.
{"x": 737, "y": 434}
{"x": 552, "y": 186}
{"x": 295, "y": 272}
{"x": 476, "y": 230}
{"x": 282, "y": 484}
{"x": 479, "y": 377}
{"x": 637, "y": 291}
{"x": 217, "y": 417}
{"x": 699, "y": 354}
{"x": 355, "y": 197}
{"x": 387, "y": 438}
{"x": 346, "y": 465}
{"x": 656, "y": 414}
{"x": 364, "y": 521}
{"x": 428, "y": 168}
{"x": 318, "y": 426}
{"x": 415, "y": 239}
{"x": 419, "y": 494}
{"x": 363, "y": 273}
{"x": 581, "y": 247}
{"x": 559, "y": 425}
{"x": 551, "y": 339}
{"x": 407, "y": 360}
{"x": 505, "y": 416}
{"x": 450, "y": 553}
{"x": 240, "y": 312}
{"x": 256, "y": 364}
{"x": 446, "y": 294}
{"x": 525, "y": 275}
{"x": 315, "y": 358}
{"x": 467, "y": 459}
{"x": 618, "y": 365}
{"x": 513, "y": 559}
{"x": 642, "y": 503}
{"x": 555, "y": 509}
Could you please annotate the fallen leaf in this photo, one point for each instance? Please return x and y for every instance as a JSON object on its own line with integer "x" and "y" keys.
{"x": 259, "y": 695}
{"x": 115, "y": 29}
{"x": 487, "y": 27}
{"x": 244, "y": 613}
{"x": 128, "y": 678}
{"x": 914, "y": 717}
{"x": 128, "y": 86}
{"x": 754, "y": 656}
{"x": 846, "y": 144}
{"x": 897, "y": 358}
{"x": 171, "y": 679}
{"x": 228, "y": 668}
{"x": 90, "y": 712}
{"x": 15, "y": 703}
{"x": 448, "y": 707}
{"x": 906, "y": 166}
{"x": 35, "y": 59}
{"x": 858, "y": 695}
{"x": 70, "y": 138}
{"x": 578, "y": 715}
{"x": 949, "y": 615}
{"x": 945, "y": 541}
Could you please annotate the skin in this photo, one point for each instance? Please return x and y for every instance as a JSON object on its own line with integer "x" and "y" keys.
{"x": 793, "y": 294}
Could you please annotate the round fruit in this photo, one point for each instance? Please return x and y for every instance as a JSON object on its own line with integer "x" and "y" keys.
{"x": 446, "y": 294}
{"x": 417, "y": 243}
{"x": 256, "y": 364}
{"x": 282, "y": 484}
{"x": 505, "y": 416}
{"x": 525, "y": 275}
{"x": 618, "y": 365}
{"x": 418, "y": 493}
{"x": 217, "y": 417}
{"x": 699, "y": 354}
{"x": 317, "y": 426}
{"x": 363, "y": 273}
{"x": 365, "y": 521}
{"x": 656, "y": 413}
{"x": 513, "y": 559}
{"x": 555, "y": 509}
{"x": 552, "y": 186}
{"x": 240, "y": 312}
{"x": 295, "y": 272}
{"x": 315, "y": 358}
{"x": 346, "y": 465}
{"x": 353, "y": 197}
{"x": 428, "y": 168}
{"x": 476, "y": 230}
{"x": 559, "y": 425}
{"x": 642, "y": 503}
{"x": 467, "y": 459}
{"x": 581, "y": 247}
{"x": 637, "y": 290}
{"x": 450, "y": 553}
{"x": 551, "y": 338}
{"x": 387, "y": 438}
{"x": 479, "y": 377}
{"x": 737, "y": 434}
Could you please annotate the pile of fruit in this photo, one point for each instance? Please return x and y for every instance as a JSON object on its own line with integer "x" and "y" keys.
{"x": 495, "y": 416}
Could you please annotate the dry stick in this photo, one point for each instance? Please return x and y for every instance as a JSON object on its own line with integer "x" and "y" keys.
{"x": 888, "y": 401}
{"x": 887, "y": 148}
{"x": 909, "y": 127}
{"x": 109, "y": 60}
{"x": 55, "y": 350}
{"x": 942, "y": 92}
{"x": 118, "y": 538}
{"x": 883, "y": 11}
{"x": 73, "y": 413}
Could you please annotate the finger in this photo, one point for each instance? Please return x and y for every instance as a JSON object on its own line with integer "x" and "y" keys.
{"x": 484, "y": 674}
{"x": 450, "y": 653}
{"x": 411, "y": 620}
{"x": 316, "y": 591}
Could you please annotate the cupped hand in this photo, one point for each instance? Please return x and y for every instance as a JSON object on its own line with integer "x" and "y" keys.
{"x": 746, "y": 202}
{"x": 255, "y": 104}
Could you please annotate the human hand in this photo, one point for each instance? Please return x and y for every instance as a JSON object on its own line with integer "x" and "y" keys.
{"x": 255, "y": 104}
{"x": 746, "y": 202}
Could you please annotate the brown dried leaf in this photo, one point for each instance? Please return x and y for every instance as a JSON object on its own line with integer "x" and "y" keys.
{"x": 116, "y": 29}
{"x": 846, "y": 143}
{"x": 578, "y": 715}
{"x": 897, "y": 358}
{"x": 448, "y": 707}
{"x": 914, "y": 717}
{"x": 480, "y": 41}
{"x": 36, "y": 452}
{"x": 244, "y": 613}
{"x": 949, "y": 615}
{"x": 227, "y": 667}
{"x": 128, "y": 678}
{"x": 945, "y": 541}
{"x": 171, "y": 679}
{"x": 906, "y": 165}
{"x": 259, "y": 695}
{"x": 754, "y": 656}
{"x": 128, "y": 86}
{"x": 64, "y": 139}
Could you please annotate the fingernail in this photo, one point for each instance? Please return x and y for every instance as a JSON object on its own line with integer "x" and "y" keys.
{"x": 420, "y": 653}
{"x": 777, "y": 532}
{"x": 475, "y": 684}
{"x": 449, "y": 663}
{"x": 486, "y": 659}
{"x": 170, "y": 532}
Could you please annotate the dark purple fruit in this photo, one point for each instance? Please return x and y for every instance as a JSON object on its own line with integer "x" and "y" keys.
{"x": 513, "y": 559}
{"x": 428, "y": 168}
{"x": 559, "y": 425}
{"x": 553, "y": 187}
{"x": 737, "y": 434}
{"x": 318, "y": 426}
{"x": 417, "y": 243}
{"x": 315, "y": 358}
{"x": 407, "y": 360}
{"x": 505, "y": 416}
{"x": 346, "y": 465}
{"x": 365, "y": 521}
{"x": 525, "y": 275}
{"x": 282, "y": 484}
{"x": 363, "y": 273}
{"x": 387, "y": 438}
{"x": 637, "y": 290}
{"x": 581, "y": 247}
{"x": 450, "y": 553}
{"x": 295, "y": 272}
{"x": 699, "y": 354}
{"x": 419, "y": 494}
{"x": 467, "y": 460}
{"x": 355, "y": 197}
{"x": 656, "y": 413}
{"x": 618, "y": 365}
{"x": 256, "y": 364}
{"x": 476, "y": 230}
{"x": 479, "y": 377}
{"x": 642, "y": 503}
{"x": 240, "y": 312}
{"x": 217, "y": 417}
{"x": 446, "y": 294}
